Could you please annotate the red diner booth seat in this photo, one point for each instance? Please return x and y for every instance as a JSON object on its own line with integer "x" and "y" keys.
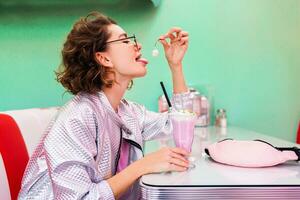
{"x": 14, "y": 153}
{"x": 20, "y": 131}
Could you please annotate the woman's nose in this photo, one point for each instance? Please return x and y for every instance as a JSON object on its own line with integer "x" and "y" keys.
{"x": 138, "y": 46}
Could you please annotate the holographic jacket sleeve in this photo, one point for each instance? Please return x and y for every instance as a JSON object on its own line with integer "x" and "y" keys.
{"x": 71, "y": 162}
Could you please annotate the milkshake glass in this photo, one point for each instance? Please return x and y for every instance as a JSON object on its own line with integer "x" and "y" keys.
{"x": 183, "y": 124}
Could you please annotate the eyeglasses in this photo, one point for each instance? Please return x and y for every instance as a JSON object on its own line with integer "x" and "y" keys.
{"x": 126, "y": 40}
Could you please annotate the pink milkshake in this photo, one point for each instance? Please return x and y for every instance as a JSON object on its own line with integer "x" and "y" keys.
{"x": 183, "y": 129}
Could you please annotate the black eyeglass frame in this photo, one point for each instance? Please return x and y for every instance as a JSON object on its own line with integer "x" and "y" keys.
{"x": 131, "y": 37}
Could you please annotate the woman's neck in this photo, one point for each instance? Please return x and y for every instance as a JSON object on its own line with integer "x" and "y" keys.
{"x": 116, "y": 93}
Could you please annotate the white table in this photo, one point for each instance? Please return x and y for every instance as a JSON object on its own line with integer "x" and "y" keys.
{"x": 211, "y": 180}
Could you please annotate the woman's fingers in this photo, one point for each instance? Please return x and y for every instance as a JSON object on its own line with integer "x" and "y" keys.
{"x": 180, "y": 151}
{"x": 184, "y": 40}
{"x": 178, "y": 162}
{"x": 178, "y": 156}
{"x": 177, "y": 168}
{"x": 183, "y": 34}
{"x": 175, "y": 30}
{"x": 183, "y": 37}
{"x": 173, "y": 34}
{"x": 164, "y": 43}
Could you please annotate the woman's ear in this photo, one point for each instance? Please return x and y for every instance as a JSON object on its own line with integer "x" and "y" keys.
{"x": 103, "y": 59}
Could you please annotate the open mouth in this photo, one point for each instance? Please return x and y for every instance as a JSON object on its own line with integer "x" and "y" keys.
{"x": 140, "y": 59}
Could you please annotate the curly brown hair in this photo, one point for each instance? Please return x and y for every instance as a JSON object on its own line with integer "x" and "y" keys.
{"x": 79, "y": 71}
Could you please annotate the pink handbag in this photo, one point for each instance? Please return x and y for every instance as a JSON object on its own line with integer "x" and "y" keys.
{"x": 256, "y": 153}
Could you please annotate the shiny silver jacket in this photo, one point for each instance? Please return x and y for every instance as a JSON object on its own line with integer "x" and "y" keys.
{"x": 81, "y": 147}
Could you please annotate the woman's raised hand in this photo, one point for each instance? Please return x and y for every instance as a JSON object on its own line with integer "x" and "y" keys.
{"x": 176, "y": 47}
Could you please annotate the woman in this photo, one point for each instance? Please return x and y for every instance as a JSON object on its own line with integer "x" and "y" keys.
{"x": 93, "y": 148}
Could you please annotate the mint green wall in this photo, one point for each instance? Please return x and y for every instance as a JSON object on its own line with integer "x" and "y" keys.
{"x": 243, "y": 53}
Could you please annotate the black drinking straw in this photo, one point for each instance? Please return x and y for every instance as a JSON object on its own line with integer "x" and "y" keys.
{"x": 166, "y": 94}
